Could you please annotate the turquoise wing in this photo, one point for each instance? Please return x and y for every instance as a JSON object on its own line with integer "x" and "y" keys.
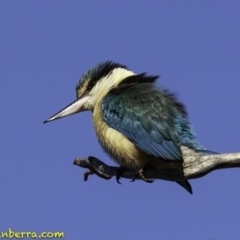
{"x": 145, "y": 117}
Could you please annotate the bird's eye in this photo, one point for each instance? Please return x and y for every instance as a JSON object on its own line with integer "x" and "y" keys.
{"x": 91, "y": 85}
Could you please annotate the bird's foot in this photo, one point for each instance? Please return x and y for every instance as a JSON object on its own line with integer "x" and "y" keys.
{"x": 140, "y": 173}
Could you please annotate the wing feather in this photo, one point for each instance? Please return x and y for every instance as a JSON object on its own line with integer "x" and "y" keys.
{"x": 142, "y": 114}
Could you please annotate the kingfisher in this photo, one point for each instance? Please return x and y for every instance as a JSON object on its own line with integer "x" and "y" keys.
{"x": 138, "y": 124}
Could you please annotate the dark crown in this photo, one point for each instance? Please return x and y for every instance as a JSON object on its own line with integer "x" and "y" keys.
{"x": 96, "y": 73}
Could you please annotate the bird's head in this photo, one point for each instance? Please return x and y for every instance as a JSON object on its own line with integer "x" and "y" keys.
{"x": 93, "y": 86}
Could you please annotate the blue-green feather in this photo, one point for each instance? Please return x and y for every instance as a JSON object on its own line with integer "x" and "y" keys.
{"x": 149, "y": 117}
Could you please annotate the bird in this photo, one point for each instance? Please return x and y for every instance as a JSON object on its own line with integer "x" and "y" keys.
{"x": 139, "y": 124}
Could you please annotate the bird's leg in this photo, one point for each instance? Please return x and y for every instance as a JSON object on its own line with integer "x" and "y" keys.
{"x": 140, "y": 173}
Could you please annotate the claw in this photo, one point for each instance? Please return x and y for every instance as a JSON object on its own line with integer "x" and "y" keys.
{"x": 141, "y": 175}
{"x": 119, "y": 173}
{"x": 117, "y": 178}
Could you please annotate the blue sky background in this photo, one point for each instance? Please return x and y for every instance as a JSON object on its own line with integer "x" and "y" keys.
{"x": 45, "y": 46}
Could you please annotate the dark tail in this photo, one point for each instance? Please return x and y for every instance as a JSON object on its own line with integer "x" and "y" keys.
{"x": 186, "y": 185}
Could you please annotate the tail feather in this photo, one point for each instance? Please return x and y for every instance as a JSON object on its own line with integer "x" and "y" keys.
{"x": 186, "y": 185}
